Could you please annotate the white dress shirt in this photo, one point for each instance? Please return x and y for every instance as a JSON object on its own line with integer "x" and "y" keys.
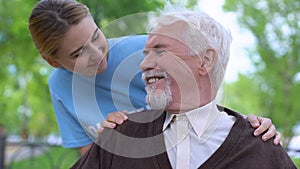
{"x": 206, "y": 129}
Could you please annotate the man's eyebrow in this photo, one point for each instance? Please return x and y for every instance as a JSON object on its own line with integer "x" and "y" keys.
{"x": 81, "y": 47}
{"x": 156, "y": 47}
{"x": 159, "y": 45}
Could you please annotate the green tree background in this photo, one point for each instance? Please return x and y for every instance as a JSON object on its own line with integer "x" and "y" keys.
{"x": 271, "y": 91}
{"x": 25, "y": 103}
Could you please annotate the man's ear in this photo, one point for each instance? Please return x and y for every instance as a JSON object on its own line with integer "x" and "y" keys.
{"x": 51, "y": 61}
{"x": 207, "y": 61}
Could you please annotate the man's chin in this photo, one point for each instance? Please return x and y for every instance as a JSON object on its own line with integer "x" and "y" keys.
{"x": 155, "y": 107}
{"x": 157, "y": 102}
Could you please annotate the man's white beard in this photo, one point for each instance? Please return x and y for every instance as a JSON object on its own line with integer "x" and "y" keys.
{"x": 158, "y": 99}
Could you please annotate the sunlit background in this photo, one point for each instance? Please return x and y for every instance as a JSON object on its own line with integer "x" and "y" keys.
{"x": 262, "y": 77}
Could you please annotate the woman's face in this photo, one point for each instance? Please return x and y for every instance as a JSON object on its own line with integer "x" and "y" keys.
{"x": 83, "y": 49}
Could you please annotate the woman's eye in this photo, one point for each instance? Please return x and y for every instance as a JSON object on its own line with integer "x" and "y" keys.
{"x": 95, "y": 37}
{"x": 78, "y": 54}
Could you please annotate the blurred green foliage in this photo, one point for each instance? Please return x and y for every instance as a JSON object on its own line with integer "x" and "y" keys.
{"x": 25, "y": 103}
{"x": 296, "y": 162}
{"x": 273, "y": 89}
{"x": 53, "y": 158}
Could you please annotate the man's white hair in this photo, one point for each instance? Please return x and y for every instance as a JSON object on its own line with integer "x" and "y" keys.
{"x": 203, "y": 32}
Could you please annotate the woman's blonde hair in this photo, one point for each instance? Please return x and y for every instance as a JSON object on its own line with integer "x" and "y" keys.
{"x": 50, "y": 20}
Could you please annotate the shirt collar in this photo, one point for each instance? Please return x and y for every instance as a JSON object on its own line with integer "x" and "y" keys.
{"x": 200, "y": 118}
{"x": 169, "y": 117}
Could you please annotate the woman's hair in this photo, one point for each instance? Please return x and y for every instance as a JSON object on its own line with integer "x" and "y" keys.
{"x": 202, "y": 32}
{"x": 50, "y": 20}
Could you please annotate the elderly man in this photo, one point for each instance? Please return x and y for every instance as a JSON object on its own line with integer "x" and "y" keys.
{"x": 186, "y": 58}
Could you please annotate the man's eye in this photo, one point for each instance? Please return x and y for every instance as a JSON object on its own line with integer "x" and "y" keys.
{"x": 146, "y": 52}
{"x": 160, "y": 51}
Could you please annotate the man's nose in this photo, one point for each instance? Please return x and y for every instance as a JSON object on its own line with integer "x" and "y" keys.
{"x": 149, "y": 62}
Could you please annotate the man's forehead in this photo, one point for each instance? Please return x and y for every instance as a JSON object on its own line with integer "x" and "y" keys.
{"x": 170, "y": 29}
{"x": 154, "y": 39}
{"x": 163, "y": 40}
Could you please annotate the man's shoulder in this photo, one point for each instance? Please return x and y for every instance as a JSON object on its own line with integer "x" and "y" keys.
{"x": 141, "y": 124}
{"x": 250, "y": 150}
{"x": 242, "y": 131}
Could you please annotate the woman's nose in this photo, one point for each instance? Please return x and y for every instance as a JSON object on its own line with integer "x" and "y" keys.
{"x": 95, "y": 54}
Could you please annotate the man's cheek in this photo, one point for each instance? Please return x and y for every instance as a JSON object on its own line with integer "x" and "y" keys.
{"x": 176, "y": 68}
